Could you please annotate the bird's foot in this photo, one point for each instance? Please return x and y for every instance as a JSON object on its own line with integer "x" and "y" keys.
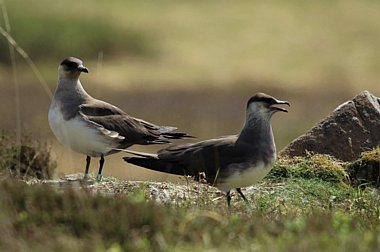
{"x": 85, "y": 177}
{"x": 99, "y": 178}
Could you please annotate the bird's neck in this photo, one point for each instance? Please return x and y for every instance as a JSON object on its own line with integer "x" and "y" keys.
{"x": 72, "y": 88}
{"x": 68, "y": 97}
{"x": 257, "y": 130}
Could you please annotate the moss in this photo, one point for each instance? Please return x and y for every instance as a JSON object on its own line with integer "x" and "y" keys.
{"x": 313, "y": 166}
{"x": 366, "y": 170}
{"x": 363, "y": 171}
{"x": 371, "y": 156}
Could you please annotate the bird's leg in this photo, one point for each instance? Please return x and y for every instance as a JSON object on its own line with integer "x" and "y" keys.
{"x": 101, "y": 163}
{"x": 228, "y": 197}
{"x": 88, "y": 161}
{"x": 242, "y": 195}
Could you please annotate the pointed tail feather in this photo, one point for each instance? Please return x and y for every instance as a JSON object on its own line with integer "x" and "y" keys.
{"x": 167, "y": 132}
{"x": 155, "y": 164}
{"x": 176, "y": 135}
{"x": 138, "y": 153}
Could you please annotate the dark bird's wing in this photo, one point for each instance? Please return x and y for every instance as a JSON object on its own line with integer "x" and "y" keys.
{"x": 99, "y": 108}
{"x": 210, "y": 156}
{"x": 133, "y": 130}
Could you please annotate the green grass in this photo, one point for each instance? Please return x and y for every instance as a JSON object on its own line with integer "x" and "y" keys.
{"x": 297, "y": 215}
{"x": 305, "y": 204}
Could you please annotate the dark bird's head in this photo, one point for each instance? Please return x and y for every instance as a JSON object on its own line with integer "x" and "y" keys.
{"x": 71, "y": 68}
{"x": 264, "y": 105}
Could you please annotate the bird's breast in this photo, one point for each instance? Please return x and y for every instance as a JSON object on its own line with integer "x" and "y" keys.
{"x": 77, "y": 134}
{"x": 244, "y": 174}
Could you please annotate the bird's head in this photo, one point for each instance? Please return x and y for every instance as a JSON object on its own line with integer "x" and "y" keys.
{"x": 264, "y": 105}
{"x": 71, "y": 68}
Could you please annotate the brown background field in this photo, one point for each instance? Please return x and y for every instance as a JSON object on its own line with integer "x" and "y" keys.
{"x": 191, "y": 64}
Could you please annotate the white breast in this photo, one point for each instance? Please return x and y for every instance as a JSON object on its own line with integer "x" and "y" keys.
{"x": 78, "y": 135}
{"x": 246, "y": 174}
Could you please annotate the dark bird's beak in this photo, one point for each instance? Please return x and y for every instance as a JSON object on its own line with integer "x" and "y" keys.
{"x": 278, "y": 102}
{"x": 82, "y": 69}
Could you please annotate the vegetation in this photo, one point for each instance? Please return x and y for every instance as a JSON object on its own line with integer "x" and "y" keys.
{"x": 26, "y": 159}
{"x": 315, "y": 203}
{"x": 296, "y": 208}
{"x": 297, "y": 215}
{"x": 366, "y": 170}
{"x": 315, "y": 166}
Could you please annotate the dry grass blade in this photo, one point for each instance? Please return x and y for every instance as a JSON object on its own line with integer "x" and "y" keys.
{"x": 15, "y": 80}
{"x": 28, "y": 60}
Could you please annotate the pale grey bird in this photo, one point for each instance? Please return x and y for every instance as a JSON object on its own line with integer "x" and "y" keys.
{"x": 94, "y": 127}
{"x": 229, "y": 162}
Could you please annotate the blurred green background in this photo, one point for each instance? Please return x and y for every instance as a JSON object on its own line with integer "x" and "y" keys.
{"x": 191, "y": 64}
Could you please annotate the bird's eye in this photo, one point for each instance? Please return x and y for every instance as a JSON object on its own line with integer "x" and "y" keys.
{"x": 70, "y": 66}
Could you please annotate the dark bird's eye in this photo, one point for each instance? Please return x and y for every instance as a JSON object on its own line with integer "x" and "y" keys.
{"x": 70, "y": 64}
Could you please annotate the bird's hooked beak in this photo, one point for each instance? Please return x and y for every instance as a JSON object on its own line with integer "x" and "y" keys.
{"x": 278, "y": 102}
{"x": 82, "y": 68}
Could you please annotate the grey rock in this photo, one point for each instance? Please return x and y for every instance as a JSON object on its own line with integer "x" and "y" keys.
{"x": 353, "y": 127}
{"x": 161, "y": 196}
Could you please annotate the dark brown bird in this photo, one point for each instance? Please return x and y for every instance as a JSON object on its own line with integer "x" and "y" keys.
{"x": 228, "y": 162}
{"x": 94, "y": 127}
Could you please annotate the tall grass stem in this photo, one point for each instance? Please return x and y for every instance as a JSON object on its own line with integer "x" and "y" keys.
{"x": 15, "y": 82}
{"x": 28, "y": 60}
